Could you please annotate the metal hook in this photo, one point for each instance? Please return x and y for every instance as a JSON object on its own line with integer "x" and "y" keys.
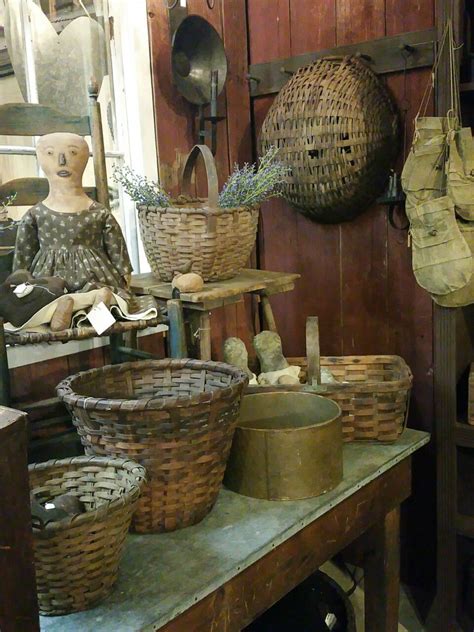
{"x": 250, "y": 78}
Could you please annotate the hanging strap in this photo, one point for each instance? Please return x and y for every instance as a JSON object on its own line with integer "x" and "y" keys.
{"x": 454, "y": 113}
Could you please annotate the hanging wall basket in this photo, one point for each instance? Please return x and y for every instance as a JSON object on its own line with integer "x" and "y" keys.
{"x": 337, "y": 130}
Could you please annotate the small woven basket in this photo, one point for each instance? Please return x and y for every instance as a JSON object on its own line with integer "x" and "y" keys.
{"x": 175, "y": 417}
{"x": 215, "y": 242}
{"x": 373, "y": 392}
{"x": 77, "y": 558}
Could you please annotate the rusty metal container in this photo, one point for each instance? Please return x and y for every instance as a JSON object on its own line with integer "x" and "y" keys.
{"x": 287, "y": 446}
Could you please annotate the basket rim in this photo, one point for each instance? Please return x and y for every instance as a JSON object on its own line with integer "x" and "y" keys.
{"x": 407, "y": 375}
{"x": 131, "y": 467}
{"x": 198, "y": 210}
{"x": 66, "y": 393}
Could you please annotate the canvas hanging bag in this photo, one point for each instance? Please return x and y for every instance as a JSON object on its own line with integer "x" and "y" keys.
{"x": 423, "y": 172}
{"x": 423, "y": 176}
{"x": 442, "y": 260}
{"x": 460, "y": 172}
{"x": 464, "y": 296}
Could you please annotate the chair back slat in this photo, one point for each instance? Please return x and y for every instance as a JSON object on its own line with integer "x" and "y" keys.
{"x": 30, "y": 191}
{"x": 31, "y": 119}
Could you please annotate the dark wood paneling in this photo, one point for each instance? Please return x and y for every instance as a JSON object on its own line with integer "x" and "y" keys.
{"x": 357, "y": 276}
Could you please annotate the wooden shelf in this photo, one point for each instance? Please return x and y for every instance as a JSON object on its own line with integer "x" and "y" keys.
{"x": 464, "y": 435}
{"x": 467, "y": 87}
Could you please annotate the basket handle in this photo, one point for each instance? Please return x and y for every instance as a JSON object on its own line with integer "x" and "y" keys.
{"x": 211, "y": 173}
{"x": 313, "y": 353}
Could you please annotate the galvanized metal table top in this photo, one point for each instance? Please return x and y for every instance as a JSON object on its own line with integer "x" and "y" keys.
{"x": 163, "y": 575}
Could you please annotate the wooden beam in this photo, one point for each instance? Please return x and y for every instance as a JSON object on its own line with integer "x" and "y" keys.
{"x": 384, "y": 55}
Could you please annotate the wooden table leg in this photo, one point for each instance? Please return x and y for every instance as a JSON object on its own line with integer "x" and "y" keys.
{"x": 205, "y": 336}
{"x": 382, "y": 575}
{"x": 199, "y": 334}
{"x": 4, "y": 370}
{"x": 268, "y": 317}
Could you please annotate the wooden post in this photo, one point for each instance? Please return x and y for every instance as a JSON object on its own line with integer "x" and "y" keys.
{"x": 268, "y": 317}
{"x": 312, "y": 350}
{"x": 442, "y": 617}
{"x": 18, "y": 601}
{"x": 4, "y": 370}
{"x": 98, "y": 150}
{"x": 177, "y": 335}
{"x": 116, "y": 341}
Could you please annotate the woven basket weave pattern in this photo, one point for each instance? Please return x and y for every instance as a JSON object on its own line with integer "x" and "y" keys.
{"x": 77, "y": 558}
{"x": 175, "y": 417}
{"x": 217, "y": 243}
{"x": 374, "y": 399}
{"x": 336, "y": 128}
{"x": 373, "y": 394}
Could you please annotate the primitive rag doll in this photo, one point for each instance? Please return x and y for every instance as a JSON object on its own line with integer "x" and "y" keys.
{"x": 68, "y": 235}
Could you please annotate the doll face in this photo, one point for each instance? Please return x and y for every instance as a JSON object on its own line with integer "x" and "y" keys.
{"x": 63, "y": 157}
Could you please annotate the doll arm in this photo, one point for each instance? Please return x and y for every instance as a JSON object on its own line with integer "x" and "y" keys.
{"x": 115, "y": 246}
{"x": 27, "y": 243}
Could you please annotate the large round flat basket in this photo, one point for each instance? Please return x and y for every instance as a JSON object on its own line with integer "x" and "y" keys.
{"x": 336, "y": 127}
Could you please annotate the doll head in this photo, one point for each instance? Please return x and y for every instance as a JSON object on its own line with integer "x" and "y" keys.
{"x": 63, "y": 157}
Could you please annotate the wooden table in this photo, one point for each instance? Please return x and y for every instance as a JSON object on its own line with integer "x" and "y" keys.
{"x": 247, "y": 553}
{"x": 197, "y": 306}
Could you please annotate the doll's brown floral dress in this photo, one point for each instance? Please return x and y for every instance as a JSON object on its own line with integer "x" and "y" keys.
{"x": 82, "y": 247}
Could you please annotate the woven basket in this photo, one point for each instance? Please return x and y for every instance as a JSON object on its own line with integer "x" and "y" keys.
{"x": 215, "y": 242}
{"x": 373, "y": 394}
{"x": 337, "y": 130}
{"x": 175, "y": 417}
{"x": 77, "y": 559}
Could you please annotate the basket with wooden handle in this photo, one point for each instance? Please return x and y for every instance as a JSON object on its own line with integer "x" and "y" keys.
{"x": 211, "y": 241}
{"x": 372, "y": 391}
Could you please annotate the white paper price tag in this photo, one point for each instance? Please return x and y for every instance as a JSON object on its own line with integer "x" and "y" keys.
{"x": 100, "y": 318}
{"x": 23, "y": 290}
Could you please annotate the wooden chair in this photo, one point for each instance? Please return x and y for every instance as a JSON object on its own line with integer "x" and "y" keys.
{"x": 26, "y": 119}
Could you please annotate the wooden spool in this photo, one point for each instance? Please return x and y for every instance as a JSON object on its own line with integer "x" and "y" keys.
{"x": 337, "y": 130}
{"x": 287, "y": 446}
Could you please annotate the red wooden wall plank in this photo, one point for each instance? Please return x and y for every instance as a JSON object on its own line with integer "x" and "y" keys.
{"x": 403, "y": 16}
{"x": 313, "y": 25}
{"x": 269, "y": 29}
{"x": 359, "y": 20}
{"x": 363, "y": 240}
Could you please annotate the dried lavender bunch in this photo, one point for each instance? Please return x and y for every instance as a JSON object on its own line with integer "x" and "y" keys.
{"x": 248, "y": 185}
{"x": 4, "y": 204}
{"x": 140, "y": 188}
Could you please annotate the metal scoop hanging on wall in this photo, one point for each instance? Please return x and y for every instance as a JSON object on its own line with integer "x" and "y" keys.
{"x": 199, "y": 67}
